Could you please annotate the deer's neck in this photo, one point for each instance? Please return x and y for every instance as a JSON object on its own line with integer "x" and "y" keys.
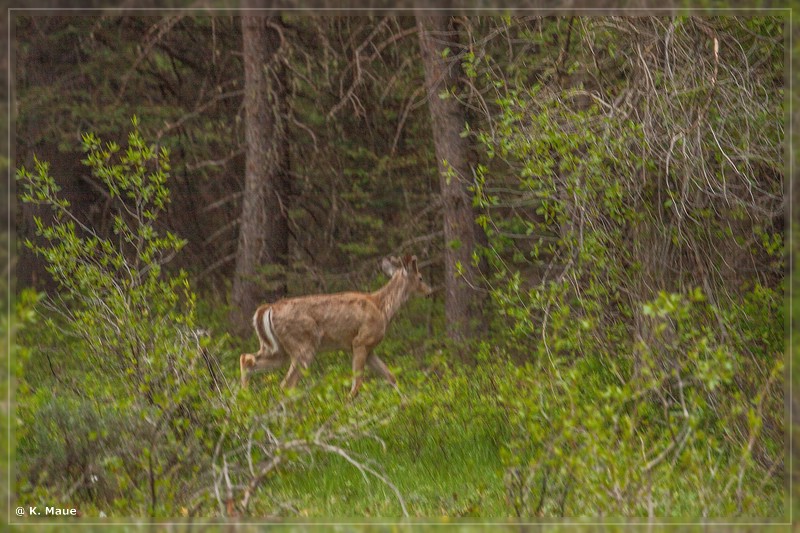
{"x": 391, "y": 296}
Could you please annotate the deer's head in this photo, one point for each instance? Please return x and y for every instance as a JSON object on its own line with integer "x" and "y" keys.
{"x": 408, "y": 270}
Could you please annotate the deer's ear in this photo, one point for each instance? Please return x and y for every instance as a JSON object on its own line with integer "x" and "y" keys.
{"x": 413, "y": 264}
{"x": 388, "y": 266}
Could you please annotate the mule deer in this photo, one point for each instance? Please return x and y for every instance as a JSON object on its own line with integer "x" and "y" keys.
{"x": 295, "y": 329}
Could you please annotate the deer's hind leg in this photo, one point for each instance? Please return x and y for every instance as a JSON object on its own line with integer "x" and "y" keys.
{"x": 292, "y": 376}
{"x": 299, "y": 340}
{"x": 259, "y": 362}
{"x": 246, "y": 362}
{"x": 301, "y": 356}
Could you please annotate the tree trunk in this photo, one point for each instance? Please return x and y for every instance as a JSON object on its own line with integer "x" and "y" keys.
{"x": 263, "y": 246}
{"x": 452, "y": 154}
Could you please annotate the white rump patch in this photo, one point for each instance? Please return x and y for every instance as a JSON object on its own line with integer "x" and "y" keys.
{"x": 270, "y": 332}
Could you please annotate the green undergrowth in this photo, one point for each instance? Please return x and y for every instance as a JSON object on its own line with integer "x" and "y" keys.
{"x": 440, "y": 448}
{"x": 453, "y": 444}
{"x": 449, "y": 450}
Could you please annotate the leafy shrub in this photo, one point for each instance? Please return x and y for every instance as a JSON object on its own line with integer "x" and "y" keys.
{"x": 630, "y": 436}
{"x": 134, "y": 392}
{"x": 638, "y": 278}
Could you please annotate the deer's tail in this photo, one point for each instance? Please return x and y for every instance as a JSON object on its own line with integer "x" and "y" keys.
{"x": 262, "y": 321}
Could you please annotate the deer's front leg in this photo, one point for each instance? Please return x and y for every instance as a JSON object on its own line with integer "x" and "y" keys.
{"x": 360, "y": 354}
{"x": 380, "y": 367}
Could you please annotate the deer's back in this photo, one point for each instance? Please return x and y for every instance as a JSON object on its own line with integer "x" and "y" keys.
{"x": 329, "y": 321}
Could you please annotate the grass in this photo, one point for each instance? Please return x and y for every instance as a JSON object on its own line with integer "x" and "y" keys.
{"x": 449, "y": 444}
{"x": 444, "y": 460}
{"x": 442, "y": 450}
{"x": 467, "y": 483}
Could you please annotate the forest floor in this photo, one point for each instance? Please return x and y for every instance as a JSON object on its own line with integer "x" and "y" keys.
{"x": 443, "y": 452}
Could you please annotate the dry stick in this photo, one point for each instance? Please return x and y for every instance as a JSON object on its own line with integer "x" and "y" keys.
{"x": 681, "y": 441}
{"x": 166, "y": 26}
{"x": 751, "y": 441}
{"x": 256, "y": 481}
{"x": 197, "y": 165}
{"x": 564, "y": 53}
{"x": 215, "y": 265}
{"x": 394, "y": 38}
{"x": 221, "y": 231}
{"x": 402, "y": 121}
{"x": 356, "y": 64}
{"x": 228, "y": 489}
{"x": 362, "y": 468}
{"x": 305, "y": 128}
{"x": 216, "y": 468}
{"x": 222, "y": 201}
{"x": 199, "y": 109}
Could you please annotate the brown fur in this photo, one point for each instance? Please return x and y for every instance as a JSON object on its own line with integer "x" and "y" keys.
{"x": 352, "y": 321}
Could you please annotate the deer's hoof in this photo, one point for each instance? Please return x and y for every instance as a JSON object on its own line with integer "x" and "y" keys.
{"x": 246, "y": 362}
{"x": 355, "y": 389}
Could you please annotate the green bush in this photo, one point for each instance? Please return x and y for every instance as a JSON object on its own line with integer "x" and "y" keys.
{"x": 639, "y": 281}
{"x": 128, "y": 410}
{"x": 631, "y": 436}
